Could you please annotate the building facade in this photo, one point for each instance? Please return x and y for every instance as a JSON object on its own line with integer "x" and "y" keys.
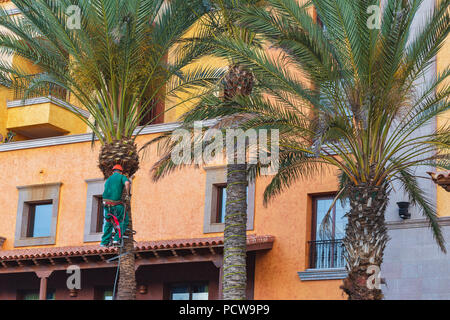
{"x": 51, "y": 220}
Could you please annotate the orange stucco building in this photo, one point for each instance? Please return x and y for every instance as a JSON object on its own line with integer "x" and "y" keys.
{"x": 171, "y": 209}
{"x": 179, "y": 242}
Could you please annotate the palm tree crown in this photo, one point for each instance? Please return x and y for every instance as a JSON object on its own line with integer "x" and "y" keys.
{"x": 113, "y": 58}
{"x": 114, "y": 63}
{"x": 349, "y": 95}
{"x": 344, "y": 94}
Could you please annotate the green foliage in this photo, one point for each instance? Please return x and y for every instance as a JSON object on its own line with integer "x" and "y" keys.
{"x": 373, "y": 105}
{"x": 343, "y": 95}
{"x": 116, "y": 65}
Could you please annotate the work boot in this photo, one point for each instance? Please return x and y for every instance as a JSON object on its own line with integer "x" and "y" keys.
{"x": 109, "y": 244}
{"x": 132, "y": 231}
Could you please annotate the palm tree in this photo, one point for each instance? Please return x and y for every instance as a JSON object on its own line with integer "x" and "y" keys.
{"x": 220, "y": 21}
{"x": 114, "y": 65}
{"x": 238, "y": 81}
{"x": 351, "y": 97}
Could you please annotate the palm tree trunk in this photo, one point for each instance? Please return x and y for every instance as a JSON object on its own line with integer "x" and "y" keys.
{"x": 238, "y": 80}
{"x": 365, "y": 239}
{"x": 127, "y": 276}
{"x": 123, "y": 152}
{"x": 235, "y": 235}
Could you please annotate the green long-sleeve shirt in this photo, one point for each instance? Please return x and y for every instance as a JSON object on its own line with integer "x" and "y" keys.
{"x": 114, "y": 186}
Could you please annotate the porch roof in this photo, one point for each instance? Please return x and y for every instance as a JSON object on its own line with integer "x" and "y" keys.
{"x": 146, "y": 252}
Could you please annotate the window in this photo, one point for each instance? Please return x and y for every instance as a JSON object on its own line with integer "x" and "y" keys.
{"x": 215, "y": 200}
{"x": 326, "y": 248}
{"x": 338, "y": 221}
{"x": 93, "y": 223}
{"x": 39, "y": 219}
{"x": 107, "y": 295}
{"x": 37, "y": 213}
{"x": 34, "y": 295}
{"x": 189, "y": 291}
{"x": 103, "y": 293}
{"x": 99, "y": 213}
{"x": 154, "y": 113}
{"x": 221, "y": 202}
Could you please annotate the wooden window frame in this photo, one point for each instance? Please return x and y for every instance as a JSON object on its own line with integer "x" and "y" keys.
{"x": 100, "y": 291}
{"x": 95, "y": 188}
{"x": 189, "y": 285}
{"x": 314, "y": 214}
{"x": 220, "y": 188}
{"x": 20, "y": 295}
{"x": 315, "y": 199}
{"x": 100, "y": 218}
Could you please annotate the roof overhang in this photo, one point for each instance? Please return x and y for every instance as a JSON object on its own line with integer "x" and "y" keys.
{"x": 146, "y": 253}
{"x": 442, "y": 179}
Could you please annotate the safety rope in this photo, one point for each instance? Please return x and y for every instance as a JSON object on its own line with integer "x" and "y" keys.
{"x": 117, "y": 271}
{"x": 120, "y": 251}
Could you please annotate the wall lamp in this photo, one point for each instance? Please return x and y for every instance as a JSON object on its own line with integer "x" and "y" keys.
{"x": 403, "y": 210}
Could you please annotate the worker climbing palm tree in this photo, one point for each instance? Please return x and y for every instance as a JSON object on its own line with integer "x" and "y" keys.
{"x": 116, "y": 219}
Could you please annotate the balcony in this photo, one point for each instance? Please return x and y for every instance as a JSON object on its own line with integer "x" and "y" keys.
{"x": 326, "y": 254}
{"x": 326, "y": 261}
{"x": 50, "y": 90}
{"x": 43, "y": 114}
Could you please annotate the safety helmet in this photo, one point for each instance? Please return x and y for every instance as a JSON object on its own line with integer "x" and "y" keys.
{"x": 118, "y": 167}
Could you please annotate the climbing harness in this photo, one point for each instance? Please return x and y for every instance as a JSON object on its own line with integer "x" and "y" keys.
{"x": 112, "y": 218}
{"x": 116, "y": 225}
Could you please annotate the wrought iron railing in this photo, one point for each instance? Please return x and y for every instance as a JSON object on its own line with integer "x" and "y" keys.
{"x": 49, "y": 89}
{"x": 325, "y": 254}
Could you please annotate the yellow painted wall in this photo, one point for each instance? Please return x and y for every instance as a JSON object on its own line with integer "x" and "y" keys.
{"x": 35, "y": 114}
{"x": 66, "y": 119}
{"x": 5, "y": 94}
{"x": 443, "y": 61}
{"x": 7, "y": 5}
{"x": 26, "y": 66}
{"x": 28, "y": 115}
{"x": 173, "y": 113}
{"x": 174, "y": 108}
{"x": 44, "y": 113}
{"x": 47, "y": 113}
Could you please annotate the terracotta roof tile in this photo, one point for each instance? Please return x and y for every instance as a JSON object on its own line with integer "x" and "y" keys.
{"x": 49, "y": 252}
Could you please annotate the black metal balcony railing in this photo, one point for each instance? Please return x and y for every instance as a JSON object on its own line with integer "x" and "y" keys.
{"x": 325, "y": 254}
{"x": 48, "y": 90}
